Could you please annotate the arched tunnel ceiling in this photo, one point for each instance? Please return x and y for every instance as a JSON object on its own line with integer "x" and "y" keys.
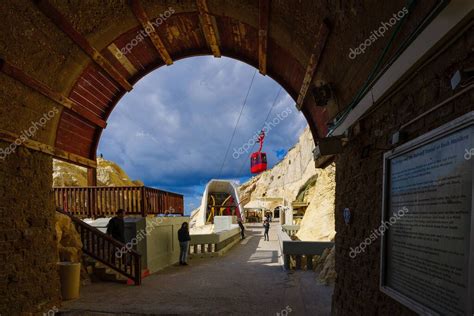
{"x": 296, "y": 41}
{"x": 97, "y": 92}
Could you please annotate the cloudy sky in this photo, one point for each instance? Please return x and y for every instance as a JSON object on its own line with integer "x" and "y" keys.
{"x": 173, "y": 129}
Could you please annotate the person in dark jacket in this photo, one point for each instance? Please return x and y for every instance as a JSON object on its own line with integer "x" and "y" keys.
{"x": 116, "y": 226}
{"x": 184, "y": 238}
{"x": 266, "y": 225}
{"x": 242, "y": 228}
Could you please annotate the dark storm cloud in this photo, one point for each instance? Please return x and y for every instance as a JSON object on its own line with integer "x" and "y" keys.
{"x": 173, "y": 129}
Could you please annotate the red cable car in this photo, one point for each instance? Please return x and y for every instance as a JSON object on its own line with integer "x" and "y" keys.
{"x": 258, "y": 160}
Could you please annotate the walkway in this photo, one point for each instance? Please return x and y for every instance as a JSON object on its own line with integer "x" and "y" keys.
{"x": 247, "y": 281}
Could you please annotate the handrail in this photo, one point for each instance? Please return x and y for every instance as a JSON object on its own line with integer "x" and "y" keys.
{"x": 106, "y": 250}
{"x": 94, "y": 202}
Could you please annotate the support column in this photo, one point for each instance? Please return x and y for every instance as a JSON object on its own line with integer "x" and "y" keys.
{"x": 29, "y": 281}
{"x": 91, "y": 182}
{"x": 91, "y": 177}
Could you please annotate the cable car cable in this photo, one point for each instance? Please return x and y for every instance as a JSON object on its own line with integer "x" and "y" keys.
{"x": 266, "y": 119}
{"x": 237, "y": 123}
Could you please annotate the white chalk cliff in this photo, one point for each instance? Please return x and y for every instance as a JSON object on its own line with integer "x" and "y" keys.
{"x": 296, "y": 178}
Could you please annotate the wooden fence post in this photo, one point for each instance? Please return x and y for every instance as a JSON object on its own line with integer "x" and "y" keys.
{"x": 143, "y": 202}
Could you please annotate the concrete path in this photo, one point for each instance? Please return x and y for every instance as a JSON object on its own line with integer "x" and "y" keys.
{"x": 249, "y": 280}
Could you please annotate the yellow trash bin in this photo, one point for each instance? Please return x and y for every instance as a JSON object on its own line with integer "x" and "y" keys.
{"x": 70, "y": 275}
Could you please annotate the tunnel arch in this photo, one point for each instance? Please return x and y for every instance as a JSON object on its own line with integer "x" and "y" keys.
{"x": 145, "y": 74}
{"x": 97, "y": 93}
{"x": 213, "y": 86}
{"x": 62, "y": 43}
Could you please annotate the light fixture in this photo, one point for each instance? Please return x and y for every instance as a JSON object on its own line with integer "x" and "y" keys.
{"x": 461, "y": 77}
{"x": 397, "y": 137}
{"x": 322, "y": 94}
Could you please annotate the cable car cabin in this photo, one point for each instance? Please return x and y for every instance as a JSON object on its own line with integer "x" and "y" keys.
{"x": 258, "y": 162}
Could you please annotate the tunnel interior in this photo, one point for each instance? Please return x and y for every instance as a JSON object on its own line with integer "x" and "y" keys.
{"x": 64, "y": 66}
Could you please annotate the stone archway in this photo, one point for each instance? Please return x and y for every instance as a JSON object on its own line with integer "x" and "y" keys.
{"x": 58, "y": 57}
{"x": 137, "y": 39}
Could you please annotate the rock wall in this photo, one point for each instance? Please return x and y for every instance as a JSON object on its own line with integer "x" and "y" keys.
{"x": 318, "y": 222}
{"x": 108, "y": 174}
{"x": 29, "y": 281}
{"x": 359, "y": 174}
{"x": 68, "y": 239}
{"x": 290, "y": 178}
{"x": 286, "y": 177}
{"x": 326, "y": 266}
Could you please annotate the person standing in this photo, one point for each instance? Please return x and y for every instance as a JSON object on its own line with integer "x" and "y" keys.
{"x": 266, "y": 226}
{"x": 184, "y": 238}
{"x": 242, "y": 228}
{"x": 116, "y": 226}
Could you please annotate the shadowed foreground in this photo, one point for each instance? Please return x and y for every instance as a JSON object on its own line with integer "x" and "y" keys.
{"x": 248, "y": 280}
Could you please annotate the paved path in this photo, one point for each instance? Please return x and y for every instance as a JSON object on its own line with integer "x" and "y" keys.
{"x": 247, "y": 281}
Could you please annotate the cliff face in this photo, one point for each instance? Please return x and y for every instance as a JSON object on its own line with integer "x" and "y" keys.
{"x": 285, "y": 178}
{"x": 318, "y": 222}
{"x": 296, "y": 177}
{"x": 108, "y": 174}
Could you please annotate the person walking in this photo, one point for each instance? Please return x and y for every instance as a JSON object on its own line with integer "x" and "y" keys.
{"x": 184, "y": 238}
{"x": 266, "y": 225}
{"x": 242, "y": 228}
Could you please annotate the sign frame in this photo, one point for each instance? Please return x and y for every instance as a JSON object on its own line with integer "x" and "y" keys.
{"x": 460, "y": 123}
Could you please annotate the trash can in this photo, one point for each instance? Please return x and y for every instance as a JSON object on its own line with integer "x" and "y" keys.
{"x": 70, "y": 276}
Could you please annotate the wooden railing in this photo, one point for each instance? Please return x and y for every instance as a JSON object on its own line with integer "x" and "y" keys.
{"x": 94, "y": 202}
{"x": 108, "y": 251}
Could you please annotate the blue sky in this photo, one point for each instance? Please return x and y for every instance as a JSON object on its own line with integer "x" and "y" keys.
{"x": 173, "y": 129}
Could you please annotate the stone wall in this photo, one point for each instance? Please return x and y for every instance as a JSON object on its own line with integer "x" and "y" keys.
{"x": 359, "y": 175}
{"x": 28, "y": 277}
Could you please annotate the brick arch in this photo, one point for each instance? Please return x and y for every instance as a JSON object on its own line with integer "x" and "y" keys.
{"x": 95, "y": 93}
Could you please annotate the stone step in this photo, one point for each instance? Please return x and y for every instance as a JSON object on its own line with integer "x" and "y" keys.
{"x": 107, "y": 274}
{"x": 101, "y": 272}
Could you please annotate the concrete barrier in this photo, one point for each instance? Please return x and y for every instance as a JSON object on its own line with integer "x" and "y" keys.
{"x": 215, "y": 244}
{"x": 291, "y": 230}
{"x": 297, "y": 249}
{"x": 162, "y": 241}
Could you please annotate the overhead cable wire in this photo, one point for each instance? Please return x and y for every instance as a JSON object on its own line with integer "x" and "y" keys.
{"x": 264, "y": 122}
{"x": 237, "y": 123}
